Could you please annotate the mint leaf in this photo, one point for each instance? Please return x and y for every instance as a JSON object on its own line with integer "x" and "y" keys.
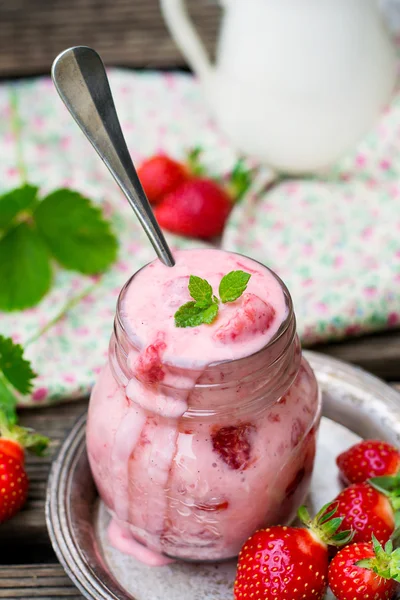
{"x": 210, "y": 313}
{"x": 14, "y": 202}
{"x": 76, "y": 232}
{"x": 14, "y": 366}
{"x": 233, "y": 285}
{"x": 201, "y": 291}
{"x": 190, "y": 315}
{"x": 25, "y": 271}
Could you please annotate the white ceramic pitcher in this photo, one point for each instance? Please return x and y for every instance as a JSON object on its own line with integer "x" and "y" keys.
{"x": 295, "y": 84}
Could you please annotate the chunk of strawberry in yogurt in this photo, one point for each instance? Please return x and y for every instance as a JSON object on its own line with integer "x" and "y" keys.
{"x": 149, "y": 367}
{"x": 253, "y": 316}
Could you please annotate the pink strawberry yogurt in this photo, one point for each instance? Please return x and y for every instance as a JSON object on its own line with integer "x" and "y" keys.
{"x": 197, "y": 436}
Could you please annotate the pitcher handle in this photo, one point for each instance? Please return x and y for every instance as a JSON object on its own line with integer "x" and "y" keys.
{"x": 186, "y": 37}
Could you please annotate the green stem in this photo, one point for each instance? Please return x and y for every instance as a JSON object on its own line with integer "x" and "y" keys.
{"x": 16, "y": 126}
{"x": 65, "y": 309}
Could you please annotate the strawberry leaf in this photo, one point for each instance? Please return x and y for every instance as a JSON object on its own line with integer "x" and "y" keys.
{"x": 193, "y": 162}
{"x": 15, "y": 367}
{"x": 233, "y": 285}
{"x": 76, "y": 232}
{"x": 14, "y": 202}
{"x": 8, "y": 400}
{"x": 34, "y": 442}
{"x": 389, "y": 485}
{"x": 25, "y": 271}
{"x": 240, "y": 180}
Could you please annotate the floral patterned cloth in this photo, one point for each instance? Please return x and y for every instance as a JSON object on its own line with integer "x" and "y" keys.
{"x": 334, "y": 240}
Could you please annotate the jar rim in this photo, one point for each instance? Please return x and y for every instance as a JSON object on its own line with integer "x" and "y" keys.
{"x": 288, "y": 323}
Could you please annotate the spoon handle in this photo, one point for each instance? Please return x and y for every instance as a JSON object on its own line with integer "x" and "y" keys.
{"x": 81, "y": 80}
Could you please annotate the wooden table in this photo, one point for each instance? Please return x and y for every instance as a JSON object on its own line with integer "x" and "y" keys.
{"x": 29, "y": 568}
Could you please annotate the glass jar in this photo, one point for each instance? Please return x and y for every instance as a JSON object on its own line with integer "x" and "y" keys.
{"x": 194, "y": 485}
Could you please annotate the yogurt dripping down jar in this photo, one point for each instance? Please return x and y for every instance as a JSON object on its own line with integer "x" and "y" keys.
{"x": 191, "y": 457}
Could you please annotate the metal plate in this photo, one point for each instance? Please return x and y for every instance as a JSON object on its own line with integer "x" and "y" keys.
{"x": 354, "y": 404}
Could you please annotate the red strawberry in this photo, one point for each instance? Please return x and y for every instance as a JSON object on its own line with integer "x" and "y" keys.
{"x": 232, "y": 443}
{"x": 370, "y": 458}
{"x": 290, "y": 563}
{"x": 13, "y": 480}
{"x": 252, "y": 316}
{"x": 197, "y": 208}
{"x": 362, "y": 571}
{"x": 369, "y": 510}
{"x": 159, "y": 175}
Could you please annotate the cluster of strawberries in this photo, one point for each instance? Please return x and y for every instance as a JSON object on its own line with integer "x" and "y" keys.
{"x": 359, "y": 528}
{"x": 186, "y": 201}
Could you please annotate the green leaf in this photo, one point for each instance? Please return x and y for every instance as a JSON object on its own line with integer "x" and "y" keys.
{"x": 365, "y": 563}
{"x": 8, "y": 401}
{"x": 193, "y": 161}
{"x": 389, "y": 485}
{"x": 190, "y": 315}
{"x": 14, "y": 202}
{"x": 201, "y": 291}
{"x": 240, "y": 180}
{"x": 14, "y": 366}
{"x": 25, "y": 271}
{"x": 304, "y": 515}
{"x": 76, "y": 232}
{"x": 210, "y": 313}
{"x": 27, "y": 438}
{"x": 34, "y": 442}
{"x": 233, "y": 285}
{"x": 343, "y": 537}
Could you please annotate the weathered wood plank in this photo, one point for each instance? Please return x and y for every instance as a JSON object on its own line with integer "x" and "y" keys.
{"x": 125, "y": 32}
{"x": 379, "y": 353}
{"x": 43, "y": 582}
{"x": 29, "y": 525}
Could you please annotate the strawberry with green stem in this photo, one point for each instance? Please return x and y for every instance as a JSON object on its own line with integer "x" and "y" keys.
{"x": 288, "y": 562}
{"x": 371, "y": 508}
{"x": 16, "y": 376}
{"x": 365, "y": 570}
{"x": 200, "y": 205}
{"x": 369, "y": 458}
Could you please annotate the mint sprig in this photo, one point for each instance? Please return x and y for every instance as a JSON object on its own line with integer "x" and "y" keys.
{"x": 204, "y": 307}
{"x": 64, "y": 227}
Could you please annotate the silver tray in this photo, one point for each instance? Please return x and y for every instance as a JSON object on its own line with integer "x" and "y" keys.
{"x": 355, "y": 404}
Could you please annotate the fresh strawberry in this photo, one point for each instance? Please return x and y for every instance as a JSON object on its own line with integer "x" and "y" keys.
{"x": 232, "y": 444}
{"x": 197, "y": 208}
{"x": 370, "y": 458}
{"x": 362, "y": 571}
{"x": 370, "y": 508}
{"x": 159, "y": 175}
{"x": 13, "y": 479}
{"x": 290, "y": 563}
{"x": 251, "y": 317}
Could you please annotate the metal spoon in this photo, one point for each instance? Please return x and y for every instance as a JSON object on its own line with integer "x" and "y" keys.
{"x": 81, "y": 80}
